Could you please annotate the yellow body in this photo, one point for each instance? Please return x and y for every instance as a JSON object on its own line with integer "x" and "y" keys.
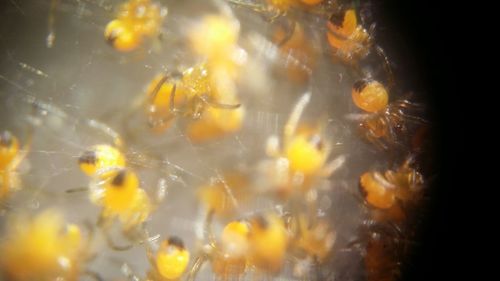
{"x": 348, "y": 23}
{"x": 99, "y": 158}
{"x": 234, "y": 238}
{"x": 171, "y": 260}
{"x": 193, "y": 84}
{"x": 10, "y": 158}
{"x": 268, "y": 243}
{"x": 370, "y": 96}
{"x": 306, "y": 153}
{"x": 119, "y": 197}
{"x": 115, "y": 188}
{"x": 215, "y": 123}
{"x": 305, "y": 157}
{"x": 9, "y": 149}
{"x": 136, "y": 20}
{"x": 122, "y": 197}
{"x": 377, "y": 193}
{"x": 301, "y": 160}
{"x": 215, "y": 37}
{"x": 41, "y": 248}
{"x": 194, "y": 93}
{"x": 122, "y": 36}
{"x": 381, "y": 191}
{"x": 231, "y": 258}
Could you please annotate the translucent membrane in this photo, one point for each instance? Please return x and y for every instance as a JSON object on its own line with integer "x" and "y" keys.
{"x": 273, "y": 133}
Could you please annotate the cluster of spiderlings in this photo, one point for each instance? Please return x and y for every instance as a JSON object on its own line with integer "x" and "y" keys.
{"x": 229, "y": 139}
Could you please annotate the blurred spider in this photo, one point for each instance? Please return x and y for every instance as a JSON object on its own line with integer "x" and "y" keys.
{"x": 169, "y": 262}
{"x": 99, "y": 158}
{"x": 351, "y": 42}
{"x": 298, "y": 51}
{"x": 222, "y": 197}
{"x": 289, "y": 36}
{"x": 312, "y": 240}
{"x": 302, "y": 157}
{"x": 215, "y": 39}
{"x": 136, "y": 21}
{"x": 229, "y": 256}
{"x": 116, "y": 189}
{"x": 44, "y": 248}
{"x": 313, "y": 237}
{"x": 389, "y": 192}
{"x": 11, "y": 157}
{"x": 349, "y": 39}
{"x": 121, "y": 198}
{"x": 269, "y": 242}
{"x": 215, "y": 123}
{"x": 261, "y": 242}
{"x": 276, "y": 8}
{"x": 383, "y": 247}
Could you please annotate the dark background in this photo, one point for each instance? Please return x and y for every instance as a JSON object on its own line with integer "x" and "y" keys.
{"x": 417, "y": 36}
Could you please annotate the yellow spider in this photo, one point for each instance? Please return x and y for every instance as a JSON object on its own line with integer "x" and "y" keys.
{"x": 116, "y": 189}
{"x": 302, "y": 157}
{"x": 11, "y": 157}
{"x": 384, "y": 123}
{"x": 43, "y": 248}
{"x": 136, "y": 21}
{"x": 169, "y": 262}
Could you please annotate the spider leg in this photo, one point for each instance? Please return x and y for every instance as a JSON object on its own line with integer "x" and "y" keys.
{"x": 198, "y": 262}
{"x": 289, "y": 34}
{"x": 129, "y": 273}
{"x": 216, "y": 104}
{"x": 293, "y": 120}
{"x": 93, "y": 275}
{"x": 104, "y": 223}
{"x": 387, "y": 67}
{"x": 333, "y": 166}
